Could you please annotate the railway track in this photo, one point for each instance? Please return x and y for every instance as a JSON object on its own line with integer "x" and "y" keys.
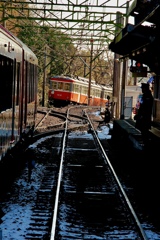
{"x": 79, "y": 195}
{"x": 55, "y": 119}
{"x": 88, "y": 201}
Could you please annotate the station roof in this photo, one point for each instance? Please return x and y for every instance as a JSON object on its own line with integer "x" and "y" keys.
{"x": 131, "y": 38}
{"x": 138, "y": 41}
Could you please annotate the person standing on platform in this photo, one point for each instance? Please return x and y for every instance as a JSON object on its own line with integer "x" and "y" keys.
{"x": 144, "y": 116}
{"x": 107, "y": 116}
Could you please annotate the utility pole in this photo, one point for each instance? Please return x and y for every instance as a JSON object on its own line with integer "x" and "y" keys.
{"x": 4, "y": 15}
{"x": 116, "y": 75}
{"x": 44, "y": 79}
{"x": 84, "y": 67}
{"x": 116, "y": 86}
{"x": 90, "y": 74}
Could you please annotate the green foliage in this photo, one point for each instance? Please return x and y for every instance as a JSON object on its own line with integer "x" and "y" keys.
{"x": 51, "y": 48}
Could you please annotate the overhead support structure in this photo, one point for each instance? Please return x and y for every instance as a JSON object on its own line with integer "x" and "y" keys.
{"x": 77, "y": 19}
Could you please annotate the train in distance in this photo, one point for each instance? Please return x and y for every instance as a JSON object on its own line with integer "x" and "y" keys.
{"x": 18, "y": 91}
{"x": 64, "y": 90}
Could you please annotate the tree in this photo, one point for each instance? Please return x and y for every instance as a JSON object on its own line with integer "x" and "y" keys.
{"x": 52, "y": 48}
{"x": 55, "y": 50}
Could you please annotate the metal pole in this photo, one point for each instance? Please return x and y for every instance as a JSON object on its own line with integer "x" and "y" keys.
{"x": 44, "y": 79}
{"x": 84, "y": 68}
{"x": 90, "y": 74}
{"x": 125, "y": 63}
{"x": 4, "y": 15}
{"x": 124, "y": 75}
{"x": 116, "y": 74}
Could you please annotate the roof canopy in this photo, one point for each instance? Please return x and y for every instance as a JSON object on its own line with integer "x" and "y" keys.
{"x": 141, "y": 42}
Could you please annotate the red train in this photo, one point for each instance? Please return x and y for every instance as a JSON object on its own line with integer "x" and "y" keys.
{"x": 64, "y": 90}
{"x": 18, "y": 90}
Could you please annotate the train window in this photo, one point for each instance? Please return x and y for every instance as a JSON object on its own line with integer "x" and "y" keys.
{"x": 92, "y": 92}
{"x": 67, "y": 86}
{"x": 97, "y": 93}
{"x": 17, "y": 86}
{"x": 54, "y": 85}
{"x": 84, "y": 90}
{"x": 60, "y": 85}
{"x": 6, "y": 70}
{"x": 76, "y": 88}
{"x": 29, "y": 82}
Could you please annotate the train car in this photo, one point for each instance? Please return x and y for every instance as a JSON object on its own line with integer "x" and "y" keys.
{"x": 65, "y": 90}
{"x": 18, "y": 90}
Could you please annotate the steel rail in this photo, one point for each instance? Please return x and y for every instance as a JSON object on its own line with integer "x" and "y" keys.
{"x": 127, "y": 201}
{"x": 142, "y": 232}
{"x": 46, "y": 113}
{"x": 53, "y": 229}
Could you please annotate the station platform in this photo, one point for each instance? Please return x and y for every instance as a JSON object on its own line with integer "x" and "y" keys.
{"x": 126, "y": 135}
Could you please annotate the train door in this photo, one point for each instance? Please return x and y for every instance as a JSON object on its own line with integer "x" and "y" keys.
{"x": 31, "y": 96}
{"x": 76, "y": 93}
{"x": 79, "y": 94}
{"x": 6, "y": 70}
{"x": 26, "y": 91}
{"x": 17, "y": 97}
{"x": 21, "y": 97}
{"x": 13, "y": 101}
